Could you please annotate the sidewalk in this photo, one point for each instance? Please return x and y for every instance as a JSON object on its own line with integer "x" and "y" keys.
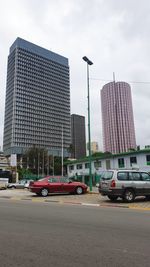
{"x": 94, "y": 190}
{"x": 21, "y": 194}
{"x": 93, "y": 199}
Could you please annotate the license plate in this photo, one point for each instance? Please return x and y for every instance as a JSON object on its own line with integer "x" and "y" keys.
{"x": 104, "y": 185}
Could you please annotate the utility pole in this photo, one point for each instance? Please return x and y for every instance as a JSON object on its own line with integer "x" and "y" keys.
{"x": 62, "y": 153}
{"x": 38, "y": 164}
{"x": 53, "y": 164}
{"x": 89, "y": 62}
{"x": 43, "y": 165}
{"x": 47, "y": 164}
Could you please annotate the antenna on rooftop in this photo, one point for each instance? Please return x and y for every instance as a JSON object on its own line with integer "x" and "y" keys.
{"x": 113, "y": 77}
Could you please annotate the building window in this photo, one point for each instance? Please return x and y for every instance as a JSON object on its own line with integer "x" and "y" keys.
{"x": 71, "y": 167}
{"x": 98, "y": 164}
{"x": 121, "y": 163}
{"x": 133, "y": 160}
{"x": 148, "y": 159}
{"x": 108, "y": 165}
{"x": 79, "y": 166}
{"x": 87, "y": 165}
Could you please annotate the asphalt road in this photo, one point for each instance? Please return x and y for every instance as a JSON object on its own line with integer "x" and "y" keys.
{"x": 44, "y": 234}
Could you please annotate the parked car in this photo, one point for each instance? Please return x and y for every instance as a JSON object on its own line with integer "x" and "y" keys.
{"x": 57, "y": 184}
{"x": 126, "y": 184}
{"x": 19, "y": 185}
{"x": 27, "y": 183}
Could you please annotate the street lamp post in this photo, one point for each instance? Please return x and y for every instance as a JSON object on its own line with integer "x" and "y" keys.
{"x": 89, "y": 62}
{"x": 62, "y": 153}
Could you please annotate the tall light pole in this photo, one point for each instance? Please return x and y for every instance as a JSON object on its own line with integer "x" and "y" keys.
{"x": 62, "y": 153}
{"x": 89, "y": 62}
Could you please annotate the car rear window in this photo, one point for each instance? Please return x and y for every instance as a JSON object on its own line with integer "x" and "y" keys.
{"x": 54, "y": 180}
{"x": 107, "y": 175}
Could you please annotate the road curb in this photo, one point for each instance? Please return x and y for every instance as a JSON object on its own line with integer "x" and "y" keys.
{"x": 94, "y": 193}
{"x": 42, "y": 200}
{"x": 139, "y": 208}
{"x": 38, "y": 200}
{"x": 114, "y": 206}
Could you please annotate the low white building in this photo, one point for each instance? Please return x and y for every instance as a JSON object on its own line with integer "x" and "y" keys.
{"x": 4, "y": 163}
{"x": 129, "y": 160}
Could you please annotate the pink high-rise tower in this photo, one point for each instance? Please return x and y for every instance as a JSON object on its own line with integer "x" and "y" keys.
{"x": 117, "y": 117}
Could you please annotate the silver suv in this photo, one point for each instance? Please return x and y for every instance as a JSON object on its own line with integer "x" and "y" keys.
{"x": 126, "y": 184}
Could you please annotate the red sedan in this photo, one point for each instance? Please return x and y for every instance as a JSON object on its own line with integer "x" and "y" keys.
{"x": 57, "y": 184}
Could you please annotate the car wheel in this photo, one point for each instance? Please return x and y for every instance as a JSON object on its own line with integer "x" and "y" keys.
{"x": 13, "y": 187}
{"x": 113, "y": 198}
{"x": 79, "y": 190}
{"x": 129, "y": 195}
{"x": 147, "y": 197}
{"x": 44, "y": 192}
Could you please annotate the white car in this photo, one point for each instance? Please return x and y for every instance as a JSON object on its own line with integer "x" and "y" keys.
{"x": 26, "y": 185}
{"x": 19, "y": 185}
{"x": 126, "y": 184}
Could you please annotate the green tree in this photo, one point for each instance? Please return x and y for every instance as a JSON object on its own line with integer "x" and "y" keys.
{"x": 36, "y": 160}
{"x": 70, "y": 149}
{"x": 57, "y": 166}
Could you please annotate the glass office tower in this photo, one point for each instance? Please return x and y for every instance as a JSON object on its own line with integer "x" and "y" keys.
{"x": 37, "y": 100}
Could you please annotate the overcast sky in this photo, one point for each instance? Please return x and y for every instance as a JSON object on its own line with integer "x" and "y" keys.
{"x": 114, "y": 34}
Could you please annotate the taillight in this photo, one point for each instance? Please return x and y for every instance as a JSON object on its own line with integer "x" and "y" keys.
{"x": 113, "y": 183}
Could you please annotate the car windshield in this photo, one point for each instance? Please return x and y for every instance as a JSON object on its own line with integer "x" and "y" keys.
{"x": 107, "y": 175}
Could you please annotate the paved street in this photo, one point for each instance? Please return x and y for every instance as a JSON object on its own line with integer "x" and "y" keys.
{"x": 49, "y": 234}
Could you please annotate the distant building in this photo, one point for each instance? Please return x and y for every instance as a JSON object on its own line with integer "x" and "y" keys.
{"x": 117, "y": 117}
{"x": 78, "y": 136}
{"x": 94, "y": 147}
{"x": 37, "y": 100}
{"x": 4, "y": 162}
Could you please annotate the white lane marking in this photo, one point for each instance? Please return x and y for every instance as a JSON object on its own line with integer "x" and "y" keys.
{"x": 90, "y": 204}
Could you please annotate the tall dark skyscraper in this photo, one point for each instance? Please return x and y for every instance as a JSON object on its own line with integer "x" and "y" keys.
{"x": 78, "y": 136}
{"x": 37, "y": 100}
{"x": 117, "y": 117}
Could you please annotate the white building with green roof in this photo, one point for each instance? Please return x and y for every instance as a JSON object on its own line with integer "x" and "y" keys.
{"x": 139, "y": 159}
